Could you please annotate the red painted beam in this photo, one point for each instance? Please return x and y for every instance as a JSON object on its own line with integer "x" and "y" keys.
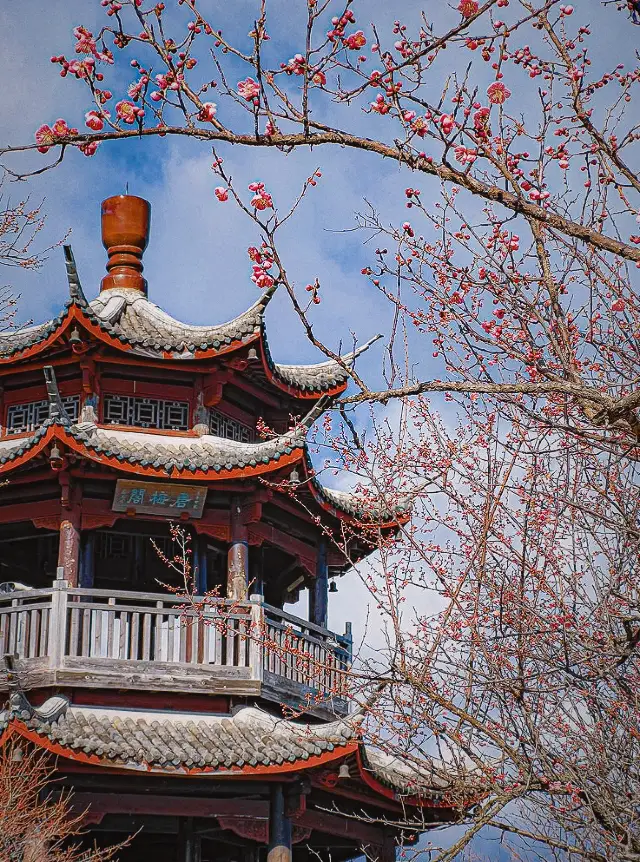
{"x": 173, "y": 806}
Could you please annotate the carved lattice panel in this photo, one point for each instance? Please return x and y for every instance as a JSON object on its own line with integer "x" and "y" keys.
{"x": 230, "y": 429}
{"x": 146, "y": 412}
{"x": 32, "y": 414}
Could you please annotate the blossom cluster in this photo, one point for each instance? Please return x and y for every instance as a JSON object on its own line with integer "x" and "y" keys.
{"x": 262, "y": 263}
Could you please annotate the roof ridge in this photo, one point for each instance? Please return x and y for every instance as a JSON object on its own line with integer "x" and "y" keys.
{"x": 57, "y": 410}
{"x": 76, "y": 293}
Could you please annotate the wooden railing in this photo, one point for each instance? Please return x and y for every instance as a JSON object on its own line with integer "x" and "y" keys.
{"x": 150, "y": 628}
{"x": 25, "y": 623}
{"x": 98, "y": 638}
{"x": 306, "y": 654}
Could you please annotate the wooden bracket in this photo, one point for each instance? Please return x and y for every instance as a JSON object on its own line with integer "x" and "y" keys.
{"x": 89, "y": 377}
{"x": 237, "y": 364}
{"x": 251, "y": 512}
{"x": 65, "y": 488}
{"x": 213, "y": 389}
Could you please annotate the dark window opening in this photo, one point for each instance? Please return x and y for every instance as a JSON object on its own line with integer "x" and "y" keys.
{"x": 29, "y": 556}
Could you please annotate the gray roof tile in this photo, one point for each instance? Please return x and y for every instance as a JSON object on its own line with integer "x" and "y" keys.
{"x": 182, "y": 740}
{"x": 175, "y": 741}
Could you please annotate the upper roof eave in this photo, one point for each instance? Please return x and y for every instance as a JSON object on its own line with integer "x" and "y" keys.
{"x": 156, "y": 456}
{"x": 126, "y": 320}
{"x": 330, "y": 377}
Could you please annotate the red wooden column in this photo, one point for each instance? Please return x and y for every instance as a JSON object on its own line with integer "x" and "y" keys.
{"x": 238, "y": 556}
{"x": 70, "y": 519}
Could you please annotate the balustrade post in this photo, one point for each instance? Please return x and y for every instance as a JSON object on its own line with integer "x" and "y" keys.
{"x": 256, "y": 644}
{"x": 348, "y": 636}
{"x": 58, "y": 624}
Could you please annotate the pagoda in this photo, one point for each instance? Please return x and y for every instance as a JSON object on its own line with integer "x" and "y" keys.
{"x": 210, "y": 729}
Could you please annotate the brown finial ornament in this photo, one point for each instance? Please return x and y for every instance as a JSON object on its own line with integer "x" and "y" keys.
{"x": 125, "y": 235}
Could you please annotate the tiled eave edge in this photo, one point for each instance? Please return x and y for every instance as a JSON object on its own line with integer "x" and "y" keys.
{"x": 428, "y": 799}
{"x": 31, "y": 447}
{"x": 90, "y": 323}
{"x": 18, "y": 727}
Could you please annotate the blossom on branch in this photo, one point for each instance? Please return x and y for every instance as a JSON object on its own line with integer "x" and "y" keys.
{"x": 262, "y": 199}
{"x": 207, "y": 112}
{"x": 355, "y": 41}
{"x": 467, "y": 8}
{"x": 465, "y": 156}
{"x": 47, "y": 136}
{"x": 94, "y": 121}
{"x": 498, "y": 93}
{"x": 248, "y": 89}
{"x": 128, "y": 112}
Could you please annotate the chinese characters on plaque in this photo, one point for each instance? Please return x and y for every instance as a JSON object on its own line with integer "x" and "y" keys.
{"x": 156, "y": 498}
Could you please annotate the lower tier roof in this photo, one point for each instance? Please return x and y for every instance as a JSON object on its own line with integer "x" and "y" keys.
{"x": 248, "y": 742}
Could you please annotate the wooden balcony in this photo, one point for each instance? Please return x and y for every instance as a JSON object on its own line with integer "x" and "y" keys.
{"x": 63, "y": 636}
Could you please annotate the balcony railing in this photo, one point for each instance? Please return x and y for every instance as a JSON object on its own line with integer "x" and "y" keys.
{"x": 127, "y": 640}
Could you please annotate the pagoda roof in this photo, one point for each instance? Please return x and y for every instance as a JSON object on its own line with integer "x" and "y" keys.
{"x": 136, "y": 321}
{"x": 191, "y": 456}
{"x": 363, "y": 507}
{"x": 250, "y": 741}
{"x": 127, "y": 320}
{"x": 320, "y": 377}
{"x": 150, "y": 454}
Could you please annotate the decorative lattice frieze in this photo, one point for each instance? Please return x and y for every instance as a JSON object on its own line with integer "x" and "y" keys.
{"x": 32, "y": 414}
{"x": 146, "y": 412}
{"x": 230, "y": 429}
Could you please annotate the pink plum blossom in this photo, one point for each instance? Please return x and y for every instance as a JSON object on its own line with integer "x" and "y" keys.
{"x": 221, "y": 193}
{"x": 207, "y": 112}
{"x": 128, "y": 112}
{"x": 481, "y": 121}
{"x": 94, "y": 121}
{"x": 498, "y": 93}
{"x": 262, "y": 199}
{"x": 47, "y": 136}
{"x": 465, "y": 156}
{"x": 89, "y": 148}
{"x": 446, "y": 123}
{"x": 467, "y": 8}
{"x": 86, "y": 43}
{"x": 380, "y": 106}
{"x": 248, "y": 89}
{"x": 356, "y": 40}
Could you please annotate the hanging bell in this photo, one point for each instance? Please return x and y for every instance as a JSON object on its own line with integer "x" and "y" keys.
{"x": 333, "y": 587}
{"x": 344, "y": 772}
{"x": 17, "y": 755}
{"x": 74, "y": 339}
{"x": 294, "y": 476}
{"x": 252, "y": 354}
{"x": 55, "y": 457}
